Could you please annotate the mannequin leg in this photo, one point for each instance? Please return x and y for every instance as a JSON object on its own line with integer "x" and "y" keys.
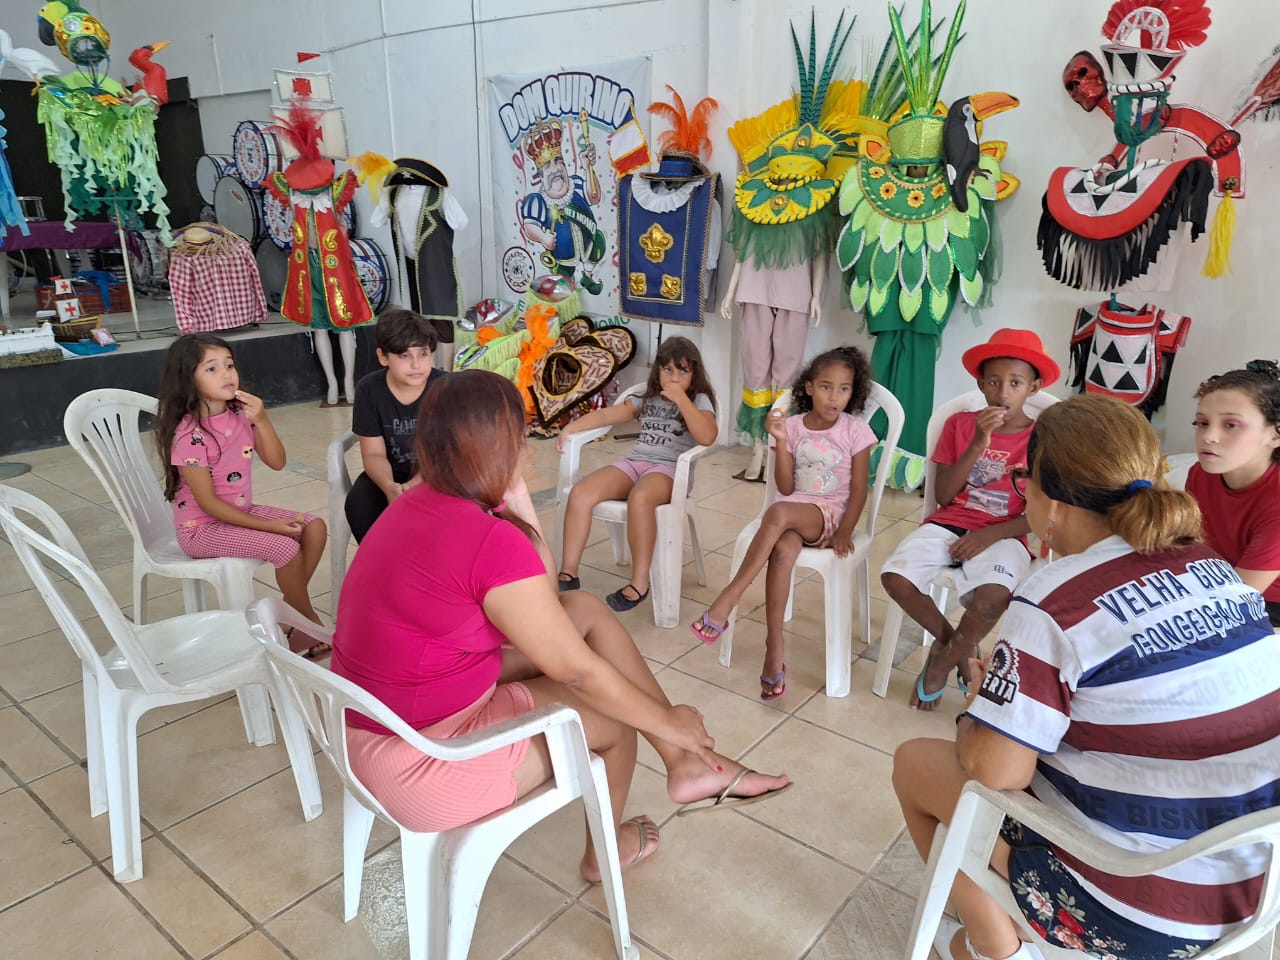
{"x": 347, "y": 347}
{"x": 324, "y": 353}
{"x": 790, "y": 329}
{"x": 755, "y": 357}
{"x": 444, "y": 356}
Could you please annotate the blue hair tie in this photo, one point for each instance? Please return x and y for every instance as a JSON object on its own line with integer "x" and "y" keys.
{"x": 1136, "y": 486}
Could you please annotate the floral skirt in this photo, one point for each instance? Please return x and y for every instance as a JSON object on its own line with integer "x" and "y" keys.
{"x": 1064, "y": 913}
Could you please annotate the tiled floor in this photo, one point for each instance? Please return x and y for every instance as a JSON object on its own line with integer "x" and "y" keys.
{"x": 232, "y": 871}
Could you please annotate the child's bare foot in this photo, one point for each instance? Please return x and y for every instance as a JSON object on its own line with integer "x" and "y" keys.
{"x": 714, "y": 621}
{"x": 773, "y": 674}
{"x": 932, "y": 680}
{"x": 692, "y": 780}
{"x": 633, "y": 846}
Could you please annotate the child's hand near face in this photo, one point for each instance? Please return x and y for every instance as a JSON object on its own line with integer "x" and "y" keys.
{"x": 989, "y": 420}
{"x": 672, "y": 391}
{"x": 776, "y": 426}
{"x": 251, "y": 406}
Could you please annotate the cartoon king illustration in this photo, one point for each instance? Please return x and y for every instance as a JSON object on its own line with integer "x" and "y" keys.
{"x": 559, "y": 216}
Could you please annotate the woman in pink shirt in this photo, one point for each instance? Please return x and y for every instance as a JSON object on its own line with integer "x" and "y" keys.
{"x": 450, "y": 614}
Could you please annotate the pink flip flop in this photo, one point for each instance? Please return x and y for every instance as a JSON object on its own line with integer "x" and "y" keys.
{"x": 780, "y": 682}
{"x": 707, "y": 623}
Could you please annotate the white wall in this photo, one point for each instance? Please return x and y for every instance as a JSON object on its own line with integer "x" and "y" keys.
{"x": 411, "y": 74}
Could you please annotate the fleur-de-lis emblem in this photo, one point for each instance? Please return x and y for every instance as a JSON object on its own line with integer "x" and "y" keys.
{"x": 656, "y": 242}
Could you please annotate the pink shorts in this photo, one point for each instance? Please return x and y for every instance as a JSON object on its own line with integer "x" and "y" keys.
{"x": 830, "y": 519}
{"x": 635, "y": 469}
{"x": 427, "y": 795}
{"x": 218, "y": 539}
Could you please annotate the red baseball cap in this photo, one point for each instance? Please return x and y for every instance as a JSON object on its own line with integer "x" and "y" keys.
{"x": 1018, "y": 344}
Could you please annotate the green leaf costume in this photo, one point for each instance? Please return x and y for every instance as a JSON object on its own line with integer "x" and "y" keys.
{"x": 907, "y": 250}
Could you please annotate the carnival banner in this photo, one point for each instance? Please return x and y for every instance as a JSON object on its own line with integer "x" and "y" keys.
{"x": 558, "y": 144}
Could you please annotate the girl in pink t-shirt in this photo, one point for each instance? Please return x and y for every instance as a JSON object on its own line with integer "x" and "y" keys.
{"x": 821, "y": 465}
{"x": 207, "y": 430}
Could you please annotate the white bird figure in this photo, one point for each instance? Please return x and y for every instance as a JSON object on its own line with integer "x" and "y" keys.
{"x": 31, "y": 62}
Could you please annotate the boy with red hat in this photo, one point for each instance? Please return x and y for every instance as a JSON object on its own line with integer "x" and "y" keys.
{"x": 979, "y": 528}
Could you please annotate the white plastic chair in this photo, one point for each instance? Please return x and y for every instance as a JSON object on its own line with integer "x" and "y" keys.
{"x": 339, "y": 479}
{"x": 103, "y": 426}
{"x": 445, "y": 873}
{"x": 179, "y": 660}
{"x": 944, "y": 583}
{"x": 838, "y": 574}
{"x": 668, "y": 551}
{"x": 965, "y": 847}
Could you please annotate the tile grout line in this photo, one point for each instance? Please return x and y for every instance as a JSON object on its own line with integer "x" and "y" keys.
{"x": 93, "y": 864}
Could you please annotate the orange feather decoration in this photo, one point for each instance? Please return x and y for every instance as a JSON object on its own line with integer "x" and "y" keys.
{"x": 689, "y": 131}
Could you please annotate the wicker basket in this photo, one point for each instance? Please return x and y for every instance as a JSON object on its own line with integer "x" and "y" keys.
{"x": 75, "y": 330}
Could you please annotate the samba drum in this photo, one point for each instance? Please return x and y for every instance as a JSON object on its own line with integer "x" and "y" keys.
{"x": 148, "y": 258}
{"x": 371, "y": 268}
{"x": 258, "y": 152}
{"x": 273, "y": 269}
{"x": 210, "y": 168}
{"x": 349, "y": 217}
{"x": 237, "y": 207}
{"x": 277, "y": 218}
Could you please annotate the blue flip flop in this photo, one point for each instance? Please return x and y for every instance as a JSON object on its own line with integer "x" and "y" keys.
{"x": 927, "y": 697}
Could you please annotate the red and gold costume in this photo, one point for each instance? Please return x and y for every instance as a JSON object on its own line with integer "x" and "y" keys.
{"x": 323, "y": 291}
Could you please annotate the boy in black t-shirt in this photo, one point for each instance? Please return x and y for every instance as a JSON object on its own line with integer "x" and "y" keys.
{"x": 385, "y": 414}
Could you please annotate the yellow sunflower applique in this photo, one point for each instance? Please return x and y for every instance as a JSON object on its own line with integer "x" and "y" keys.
{"x": 875, "y": 173}
{"x": 915, "y": 198}
{"x": 887, "y": 190}
{"x": 938, "y": 190}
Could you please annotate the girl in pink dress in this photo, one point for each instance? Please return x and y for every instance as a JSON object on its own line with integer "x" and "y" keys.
{"x": 207, "y": 430}
{"x": 820, "y": 467}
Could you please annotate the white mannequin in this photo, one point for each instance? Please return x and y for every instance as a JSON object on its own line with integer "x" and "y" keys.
{"x": 817, "y": 278}
{"x": 324, "y": 353}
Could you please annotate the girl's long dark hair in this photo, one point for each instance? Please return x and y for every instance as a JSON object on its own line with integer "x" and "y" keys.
{"x": 683, "y": 352}
{"x": 178, "y": 397}
{"x": 851, "y": 357}
{"x": 471, "y": 434}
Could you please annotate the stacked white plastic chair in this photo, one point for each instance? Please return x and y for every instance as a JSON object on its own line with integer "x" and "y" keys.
{"x": 178, "y": 660}
{"x": 965, "y": 847}
{"x": 944, "y": 583}
{"x": 445, "y": 873}
{"x": 668, "y": 552}
{"x": 339, "y": 479}
{"x": 838, "y": 574}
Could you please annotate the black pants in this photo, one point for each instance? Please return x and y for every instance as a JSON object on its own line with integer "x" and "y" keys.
{"x": 364, "y": 505}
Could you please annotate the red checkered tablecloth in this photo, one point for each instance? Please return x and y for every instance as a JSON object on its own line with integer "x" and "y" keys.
{"x": 217, "y": 291}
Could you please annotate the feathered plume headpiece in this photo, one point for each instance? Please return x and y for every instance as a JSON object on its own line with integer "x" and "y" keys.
{"x": 813, "y": 87}
{"x": 688, "y": 133}
{"x": 302, "y": 129}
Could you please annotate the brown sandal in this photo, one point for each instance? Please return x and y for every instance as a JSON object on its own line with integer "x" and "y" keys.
{"x": 318, "y": 648}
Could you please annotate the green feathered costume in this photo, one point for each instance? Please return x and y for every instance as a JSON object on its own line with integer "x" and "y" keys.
{"x": 920, "y": 231}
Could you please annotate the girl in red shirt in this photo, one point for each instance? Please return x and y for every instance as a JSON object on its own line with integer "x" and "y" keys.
{"x": 1236, "y": 479}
